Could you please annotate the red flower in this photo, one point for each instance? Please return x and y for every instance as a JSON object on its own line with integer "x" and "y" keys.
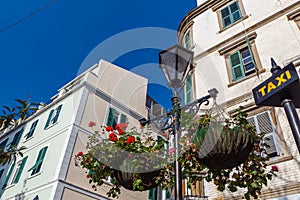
{"x": 113, "y": 137}
{"x": 121, "y": 126}
{"x": 91, "y": 124}
{"x": 274, "y": 168}
{"x": 109, "y": 128}
{"x": 88, "y": 176}
{"x": 79, "y": 153}
{"x": 164, "y": 134}
{"x": 121, "y": 131}
{"x": 130, "y": 139}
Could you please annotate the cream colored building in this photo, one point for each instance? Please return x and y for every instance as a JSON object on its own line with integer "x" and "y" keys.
{"x": 233, "y": 41}
{"x": 59, "y": 130}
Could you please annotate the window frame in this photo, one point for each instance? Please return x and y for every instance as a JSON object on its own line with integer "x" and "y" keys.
{"x": 225, "y": 4}
{"x": 295, "y": 16}
{"x": 53, "y": 116}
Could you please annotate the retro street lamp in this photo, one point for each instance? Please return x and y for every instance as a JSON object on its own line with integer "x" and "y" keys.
{"x": 282, "y": 90}
{"x": 175, "y": 63}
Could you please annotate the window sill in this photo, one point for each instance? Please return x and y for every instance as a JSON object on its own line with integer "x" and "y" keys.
{"x": 234, "y": 23}
{"x": 246, "y": 78}
{"x": 279, "y": 159}
{"x": 50, "y": 125}
{"x": 28, "y": 139}
{"x": 9, "y": 186}
{"x": 32, "y": 176}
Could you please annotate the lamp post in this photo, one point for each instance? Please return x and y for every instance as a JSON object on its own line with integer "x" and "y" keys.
{"x": 175, "y": 63}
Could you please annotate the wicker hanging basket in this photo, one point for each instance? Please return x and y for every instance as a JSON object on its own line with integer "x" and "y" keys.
{"x": 222, "y": 147}
{"x": 126, "y": 179}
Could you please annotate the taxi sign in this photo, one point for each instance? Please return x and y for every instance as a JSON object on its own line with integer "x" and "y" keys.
{"x": 284, "y": 84}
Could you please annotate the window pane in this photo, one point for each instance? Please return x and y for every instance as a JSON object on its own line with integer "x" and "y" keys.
{"x": 238, "y": 72}
{"x": 225, "y": 12}
{"x": 249, "y": 66}
{"x": 234, "y": 7}
{"x": 226, "y": 21}
{"x": 235, "y": 59}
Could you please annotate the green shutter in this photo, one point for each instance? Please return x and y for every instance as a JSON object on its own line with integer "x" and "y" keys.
{"x": 188, "y": 94}
{"x": 32, "y": 129}
{"x": 49, "y": 118}
{"x": 37, "y": 166}
{"x": 17, "y": 178}
{"x": 17, "y": 138}
{"x": 8, "y": 175}
{"x": 58, "y": 109}
{"x": 236, "y": 66}
{"x": 111, "y": 118}
{"x": 152, "y": 194}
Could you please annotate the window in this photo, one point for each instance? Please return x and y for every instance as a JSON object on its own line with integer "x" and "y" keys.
{"x": 17, "y": 138}
{"x": 36, "y": 168}
{"x": 241, "y": 63}
{"x": 114, "y": 117}
{"x": 53, "y": 116}
{"x": 8, "y": 175}
{"x": 241, "y": 59}
{"x": 187, "y": 39}
{"x": 263, "y": 123}
{"x": 229, "y": 13}
{"x": 32, "y": 129}
{"x": 1, "y": 173}
{"x": 188, "y": 90}
{"x": 295, "y": 15}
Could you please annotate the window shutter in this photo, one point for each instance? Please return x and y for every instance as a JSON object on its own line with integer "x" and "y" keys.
{"x": 17, "y": 178}
{"x": 236, "y": 66}
{"x": 37, "y": 166}
{"x": 55, "y": 118}
{"x": 8, "y": 175}
{"x": 235, "y": 11}
{"x": 263, "y": 123}
{"x": 152, "y": 194}
{"x": 111, "y": 118}
{"x": 1, "y": 173}
{"x": 187, "y": 40}
{"x": 225, "y": 14}
{"x": 17, "y": 138}
{"x": 188, "y": 94}
{"x": 49, "y": 118}
{"x": 32, "y": 129}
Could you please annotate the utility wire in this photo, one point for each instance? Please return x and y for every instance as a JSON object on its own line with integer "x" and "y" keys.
{"x": 29, "y": 15}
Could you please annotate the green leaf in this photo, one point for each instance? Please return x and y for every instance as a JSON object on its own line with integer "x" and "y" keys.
{"x": 254, "y": 185}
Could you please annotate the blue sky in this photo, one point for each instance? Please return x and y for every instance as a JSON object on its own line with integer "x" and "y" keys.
{"x": 44, "y": 43}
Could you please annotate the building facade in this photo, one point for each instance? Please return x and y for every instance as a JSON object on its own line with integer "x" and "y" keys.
{"x": 53, "y": 135}
{"x": 233, "y": 42}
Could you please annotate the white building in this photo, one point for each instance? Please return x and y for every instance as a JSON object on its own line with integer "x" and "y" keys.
{"x": 233, "y": 41}
{"x": 58, "y": 131}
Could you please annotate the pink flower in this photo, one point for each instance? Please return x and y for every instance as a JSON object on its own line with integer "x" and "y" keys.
{"x": 274, "y": 168}
{"x": 171, "y": 151}
{"x": 91, "y": 124}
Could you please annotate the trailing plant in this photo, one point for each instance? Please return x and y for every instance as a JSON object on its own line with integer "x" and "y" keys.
{"x": 113, "y": 150}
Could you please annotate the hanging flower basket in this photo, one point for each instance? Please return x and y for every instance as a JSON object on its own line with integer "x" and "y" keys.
{"x": 223, "y": 147}
{"x": 146, "y": 180}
